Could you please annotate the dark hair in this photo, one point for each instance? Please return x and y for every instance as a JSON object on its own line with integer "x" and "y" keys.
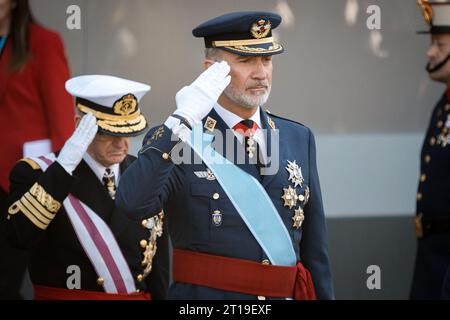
{"x": 21, "y": 17}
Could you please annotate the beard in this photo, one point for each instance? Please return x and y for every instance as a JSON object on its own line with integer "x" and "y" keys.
{"x": 249, "y": 101}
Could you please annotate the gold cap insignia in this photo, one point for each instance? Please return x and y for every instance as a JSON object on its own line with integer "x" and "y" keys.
{"x": 261, "y": 28}
{"x": 426, "y": 10}
{"x": 126, "y": 105}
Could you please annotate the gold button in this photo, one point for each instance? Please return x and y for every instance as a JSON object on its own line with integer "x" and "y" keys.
{"x": 165, "y": 156}
{"x": 423, "y": 178}
{"x": 143, "y": 244}
{"x": 261, "y": 298}
{"x": 216, "y": 196}
{"x": 138, "y": 291}
{"x": 447, "y": 107}
{"x": 433, "y": 141}
{"x": 140, "y": 278}
{"x": 440, "y": 124}
{"x": 265, "y": 262}
{"x": 216, "y": 211}
{"x": 427, "y": 159}
{"x": 100, "y": 281}
{"x": 419, "y": 196}
{"x": 144, "y": 223}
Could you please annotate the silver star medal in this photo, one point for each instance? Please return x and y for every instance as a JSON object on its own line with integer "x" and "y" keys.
{"x": 295, "y": 173}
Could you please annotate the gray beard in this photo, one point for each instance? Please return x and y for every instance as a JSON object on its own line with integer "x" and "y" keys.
{"x": 246, "y": 101}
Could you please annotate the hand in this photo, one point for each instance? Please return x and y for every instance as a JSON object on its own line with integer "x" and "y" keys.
{"x": 74, "y": 148}
{"x": 195, "y": 101}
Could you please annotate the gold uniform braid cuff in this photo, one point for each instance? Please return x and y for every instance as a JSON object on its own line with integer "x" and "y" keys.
{"x": 37, "y": 205}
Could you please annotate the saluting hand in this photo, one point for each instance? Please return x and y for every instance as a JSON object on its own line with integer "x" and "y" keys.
{"x": 74, "y": 148}
{"x": 195, "y": 101}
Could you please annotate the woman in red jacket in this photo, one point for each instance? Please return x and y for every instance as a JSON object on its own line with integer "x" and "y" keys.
{"x": 36, "y": 113}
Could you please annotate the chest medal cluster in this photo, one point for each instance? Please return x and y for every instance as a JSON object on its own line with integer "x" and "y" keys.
{"x": 290, "y": 196}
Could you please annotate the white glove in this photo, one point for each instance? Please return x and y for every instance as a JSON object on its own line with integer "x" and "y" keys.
{"x": 195, "y": 101}
{"x": 74, "y": 148}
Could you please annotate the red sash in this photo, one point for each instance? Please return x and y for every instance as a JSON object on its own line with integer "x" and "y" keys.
{"x": 243, "y": 276}
{"x": 49, "y": 293}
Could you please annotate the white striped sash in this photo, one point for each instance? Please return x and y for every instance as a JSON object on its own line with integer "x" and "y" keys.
{"x": 97, "y": 240}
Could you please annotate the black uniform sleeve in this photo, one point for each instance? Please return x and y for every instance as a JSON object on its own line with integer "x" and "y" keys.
{"x": 34, "y": 200}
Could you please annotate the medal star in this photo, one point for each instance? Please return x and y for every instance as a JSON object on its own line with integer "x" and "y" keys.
{"x": 290, "y": 197}
{"x": 298, "y": 218}
{"x": 295, "y": 173}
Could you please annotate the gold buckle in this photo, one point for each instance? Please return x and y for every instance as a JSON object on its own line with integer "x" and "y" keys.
{"x": 418, "y": 225}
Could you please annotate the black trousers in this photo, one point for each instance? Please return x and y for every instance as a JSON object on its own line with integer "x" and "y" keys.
{"x": 13, "y": 263}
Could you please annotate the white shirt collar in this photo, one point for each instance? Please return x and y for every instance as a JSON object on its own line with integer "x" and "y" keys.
{"x": 99, "y": 169}
{"x": 232, "y": 119}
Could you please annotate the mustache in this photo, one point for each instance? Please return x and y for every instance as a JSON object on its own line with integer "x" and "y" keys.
{"x": 259, "y": 84}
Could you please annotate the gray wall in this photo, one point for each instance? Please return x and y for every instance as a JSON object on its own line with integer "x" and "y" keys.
{"x": 364, "y": 93}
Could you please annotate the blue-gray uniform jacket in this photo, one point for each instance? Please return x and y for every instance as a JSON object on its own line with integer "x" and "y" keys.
{"x": 153, "y": 182}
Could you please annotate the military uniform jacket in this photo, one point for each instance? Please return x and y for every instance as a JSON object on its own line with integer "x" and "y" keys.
{"x": 55, "y": 247}
{"x": 433, "y": 206}
{"x": 433, "y": 199}
{"x": 190, "y": 203}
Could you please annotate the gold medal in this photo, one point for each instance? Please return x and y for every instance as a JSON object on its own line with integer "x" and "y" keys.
{"x": 298, "y": 218}
{"x": 290, "y": 197}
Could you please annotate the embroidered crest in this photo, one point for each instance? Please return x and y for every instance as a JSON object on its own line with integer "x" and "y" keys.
{"x": 126, "y": 105}
{"x": 261, "y": 28}
{"x": 427, "y": 11}
{"x": 217, "y": 218}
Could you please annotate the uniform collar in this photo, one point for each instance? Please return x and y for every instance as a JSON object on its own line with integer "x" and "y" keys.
{"x": 231, "y": 119}
{"x": 99, "y": 170}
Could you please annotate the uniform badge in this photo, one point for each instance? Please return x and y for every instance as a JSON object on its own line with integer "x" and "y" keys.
{"x": 290, "y": 197}
{"x": 295, "y": 173}
{"x": 298, "y": 218}
{"x": 271, "y": 123}
{"x": 427, "y": 11}
{"x": 208, "y": 175}
{"x": 217, "y": 218}
{"x": 261, "y": 28}
{"x": 210, "y": 124}
{"x": 126, "y": 105}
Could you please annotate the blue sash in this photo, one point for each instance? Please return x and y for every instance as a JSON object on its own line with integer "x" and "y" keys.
{"x": 2, "y": 42}
{"x": 250, "y": 200}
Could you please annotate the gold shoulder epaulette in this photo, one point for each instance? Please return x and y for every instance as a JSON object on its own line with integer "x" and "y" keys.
{"x": 31, "y": 163}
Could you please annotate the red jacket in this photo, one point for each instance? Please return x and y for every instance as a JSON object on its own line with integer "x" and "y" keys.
{"x": 34, "y": 104}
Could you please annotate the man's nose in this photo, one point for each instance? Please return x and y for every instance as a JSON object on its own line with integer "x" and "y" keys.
{"x": 432, "y": 51}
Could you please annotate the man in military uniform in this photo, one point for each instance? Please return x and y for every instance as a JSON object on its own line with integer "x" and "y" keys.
{"x": 433, "y": 202}
{"x": 251, "y": 224}
{"x": 61, "y": 206}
